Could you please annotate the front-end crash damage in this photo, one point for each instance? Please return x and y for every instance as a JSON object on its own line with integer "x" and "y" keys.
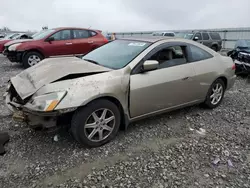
{"x": 44, "y": 97}
{"x": 35, "y": 113}
{"x": 242, "y": 61}
{"x": 11, "y": 52}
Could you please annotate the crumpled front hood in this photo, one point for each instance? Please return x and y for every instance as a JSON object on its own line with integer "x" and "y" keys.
{"x": 17, "y": 41}
{"x": 49, "y": 70}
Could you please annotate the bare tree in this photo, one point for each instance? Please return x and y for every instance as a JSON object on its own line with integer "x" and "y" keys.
{"x": 5, "y": 29}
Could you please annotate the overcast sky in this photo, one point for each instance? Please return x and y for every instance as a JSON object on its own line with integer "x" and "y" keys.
{"x": 124, "y": 15}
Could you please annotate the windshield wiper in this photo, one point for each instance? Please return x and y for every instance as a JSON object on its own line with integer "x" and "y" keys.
{"x": 91, "y": 61}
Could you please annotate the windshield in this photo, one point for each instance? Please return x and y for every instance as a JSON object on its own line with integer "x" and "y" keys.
{"x": 42, "y": 34}
{"x": 36, "y": 34}
{"x": 242, "y": 44}
{"x": 248, "y": 43}
{"x": 185, "y": 35}
{"x": 16, "y": 36}
{"x": 116, "y": 54}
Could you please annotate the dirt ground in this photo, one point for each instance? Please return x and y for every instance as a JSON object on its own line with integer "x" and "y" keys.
{"x": 189, "y": 148}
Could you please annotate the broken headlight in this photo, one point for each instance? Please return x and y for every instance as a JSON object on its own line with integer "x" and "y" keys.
{"x": 13, "y": 47}
{"x": 48, "y": 102}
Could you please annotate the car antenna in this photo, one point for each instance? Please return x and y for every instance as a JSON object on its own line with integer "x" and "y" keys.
{"x": 89, "y": 27}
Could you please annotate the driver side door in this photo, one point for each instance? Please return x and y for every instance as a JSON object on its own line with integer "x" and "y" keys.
{"x": 61, "y": 45}
{"x": 169, "y": 86}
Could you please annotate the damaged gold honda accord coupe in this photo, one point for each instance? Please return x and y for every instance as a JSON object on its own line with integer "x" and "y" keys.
{"x": 118, "y": 83}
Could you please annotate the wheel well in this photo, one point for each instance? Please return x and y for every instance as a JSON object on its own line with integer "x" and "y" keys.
{"x": 216, "y": 46}
{"x": 224, "y": 79}
{"x": 66, "y": 118}
{"x": 33, "y": 50}
{"x": 124, "y": 121}
{"x": 118, "y": 104}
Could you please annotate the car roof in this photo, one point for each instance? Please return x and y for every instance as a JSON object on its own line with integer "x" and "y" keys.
{"x": 163, "y": 32}
{"x": 152, "y": 39}
{"x": 61, "y": 28}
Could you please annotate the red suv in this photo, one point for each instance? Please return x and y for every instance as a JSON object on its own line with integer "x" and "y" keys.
{"x": 53, "y": 42}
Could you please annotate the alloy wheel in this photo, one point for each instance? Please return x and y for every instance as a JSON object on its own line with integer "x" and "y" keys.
{"x": 99, "y": 125}
{"x": 217, "y": 93}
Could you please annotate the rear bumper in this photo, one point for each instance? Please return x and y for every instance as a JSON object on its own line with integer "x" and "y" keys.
{"x": 231, "y": 81}
{"x": 13, "y": 56}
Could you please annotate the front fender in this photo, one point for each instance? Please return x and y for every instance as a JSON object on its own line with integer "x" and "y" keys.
{"x": 113, "y": 84}
{"x": 30, "y": 48}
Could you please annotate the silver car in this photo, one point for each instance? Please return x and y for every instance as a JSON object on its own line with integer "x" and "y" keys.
{"x": 118, "y": 83}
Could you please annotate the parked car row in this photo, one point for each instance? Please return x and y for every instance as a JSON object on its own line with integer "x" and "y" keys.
{"x": 113, "y": 84}
{"x": 164, "y": 33}
{"x": 210, "y": 39}
{"x": 53, "y": 42}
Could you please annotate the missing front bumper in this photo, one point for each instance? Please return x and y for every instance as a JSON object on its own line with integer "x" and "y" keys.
{"x": 19, "y": 116}
{"x": 34, "y": 121}
{"x": 13, "y": 56}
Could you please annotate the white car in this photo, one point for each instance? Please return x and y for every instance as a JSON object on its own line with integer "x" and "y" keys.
{"x": 165, "y": 33}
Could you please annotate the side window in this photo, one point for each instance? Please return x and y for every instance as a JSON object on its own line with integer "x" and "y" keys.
{"x": 170, "y": 56}
{"x": 215, "y": 36}
{"x": 205, "y": 36}
{"x": 199, "y": 54}
{"x": 62, "y": 35}
{"x": 198, "y": 35}
{"x": 80, "y": 34}
{"x": 92, "y": 33}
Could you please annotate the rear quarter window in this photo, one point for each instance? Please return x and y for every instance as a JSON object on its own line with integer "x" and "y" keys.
{"x": 198, "y": 54}
{"x": 215, "y": 36}
{"x": 92, "y": 33}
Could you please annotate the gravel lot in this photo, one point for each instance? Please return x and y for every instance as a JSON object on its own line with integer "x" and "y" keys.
{"x": 187, "y": 148}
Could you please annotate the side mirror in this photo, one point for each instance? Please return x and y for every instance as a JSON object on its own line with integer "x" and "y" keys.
{"x": 196, "y": 38}
{"x": 50, "y": 39}
{"x": 150, "y": 65}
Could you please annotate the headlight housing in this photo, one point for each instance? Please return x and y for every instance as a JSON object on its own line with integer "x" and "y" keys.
{"x": 13, "y": 46}
{"x": 47, "y": 102}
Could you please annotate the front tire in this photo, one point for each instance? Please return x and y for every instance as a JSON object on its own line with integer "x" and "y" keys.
{"x": 31, "y": 59}
{"x": 96, "y": 124}
{"x": 215, "y": 94}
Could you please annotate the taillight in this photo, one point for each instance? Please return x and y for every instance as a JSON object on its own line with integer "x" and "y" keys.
{"x": 106, "y": 40}
{"x": 233, "y": 67}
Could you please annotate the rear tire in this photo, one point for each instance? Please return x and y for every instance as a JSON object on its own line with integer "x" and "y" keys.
{"x": 93, "y": 127}
{"x": 31, "y": 59}
{"x": 215, "y": 94}
{"x": 215, "y": 48}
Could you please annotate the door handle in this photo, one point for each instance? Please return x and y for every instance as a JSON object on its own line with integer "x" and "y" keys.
{"x": 91, "y": 42}
{"x": 186, "y": 78}
{"x": 68, "y": 43}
